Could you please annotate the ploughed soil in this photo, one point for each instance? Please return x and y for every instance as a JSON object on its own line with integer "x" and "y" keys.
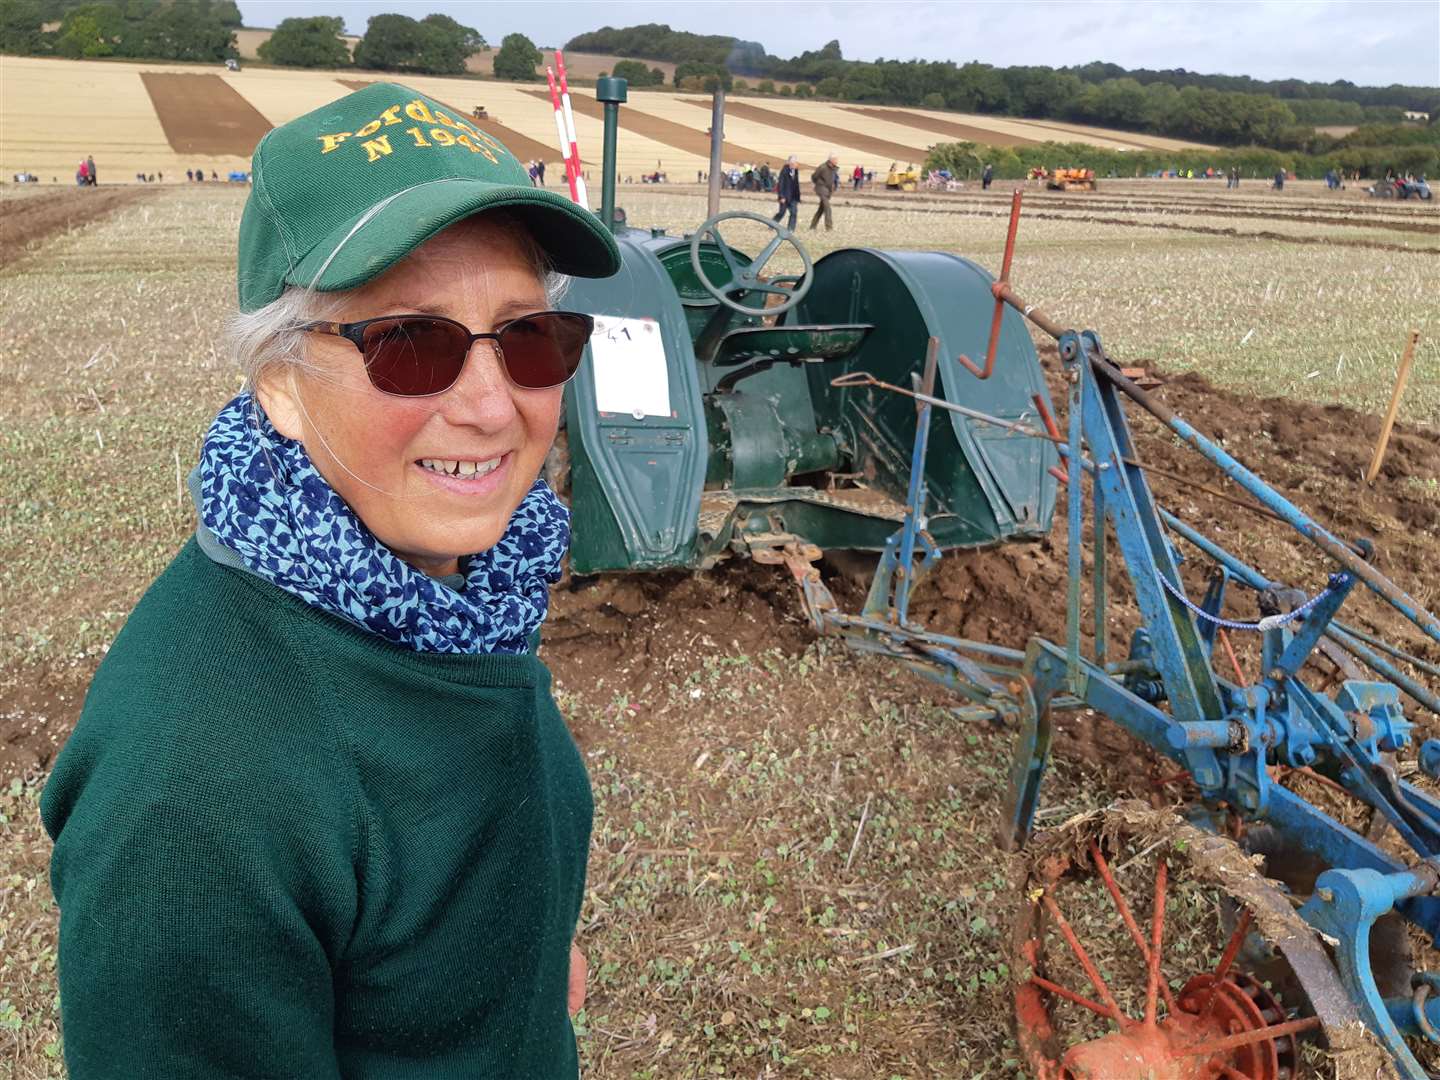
{"x": 777, "y": 118}
{"x": 203, "y": 114}
{"x": 26, "y": 223}
{"x": 964, "y": 132}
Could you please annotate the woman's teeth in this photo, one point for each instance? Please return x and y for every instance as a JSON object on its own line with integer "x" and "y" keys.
{"x": 460, "y": 468}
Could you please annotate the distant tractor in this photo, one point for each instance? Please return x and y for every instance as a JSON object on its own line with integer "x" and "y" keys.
{"x": 1071, "y": 180}
{"x": 906, "y": 179}
{"x": 1400, "y": 187}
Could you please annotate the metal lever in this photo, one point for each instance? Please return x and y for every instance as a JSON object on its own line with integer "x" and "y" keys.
{"x": 997, "y": 290}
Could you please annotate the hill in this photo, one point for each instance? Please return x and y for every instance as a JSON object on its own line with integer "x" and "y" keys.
{"x": 140, "y": 117}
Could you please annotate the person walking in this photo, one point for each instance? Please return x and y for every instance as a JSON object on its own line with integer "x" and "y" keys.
{"x": 787, "y": 190}
{"x": 987, "y": 176}
{"x": 825, "y": 179}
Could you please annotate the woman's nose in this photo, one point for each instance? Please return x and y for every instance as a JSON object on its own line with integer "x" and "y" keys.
{"x": 482, "y": 396}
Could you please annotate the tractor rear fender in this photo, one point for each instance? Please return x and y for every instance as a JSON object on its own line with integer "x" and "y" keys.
{"x": 635, "y": 476}
{"x": 986, "y": 484}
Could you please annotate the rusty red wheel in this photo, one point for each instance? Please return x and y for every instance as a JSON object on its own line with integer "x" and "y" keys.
{"x": 1168, "y": 993}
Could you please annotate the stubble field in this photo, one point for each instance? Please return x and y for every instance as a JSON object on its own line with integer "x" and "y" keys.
{"x": 793, "y": 871}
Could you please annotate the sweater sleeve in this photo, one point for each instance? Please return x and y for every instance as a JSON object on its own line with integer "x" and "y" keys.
{"x": 202, "y": 916}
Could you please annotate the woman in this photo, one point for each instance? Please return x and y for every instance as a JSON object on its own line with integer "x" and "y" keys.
{"x": 320, "y": 816}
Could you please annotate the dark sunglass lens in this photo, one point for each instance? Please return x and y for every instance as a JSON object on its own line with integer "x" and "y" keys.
{"x": 414, "y": 357}
{"x": 544, "y": 350}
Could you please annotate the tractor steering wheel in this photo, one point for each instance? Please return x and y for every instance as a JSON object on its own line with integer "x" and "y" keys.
{"x": 747, "y": 278}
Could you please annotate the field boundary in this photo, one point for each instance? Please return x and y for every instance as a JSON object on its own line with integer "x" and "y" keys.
{"x": 203, "y": 114}
{"x": 30, "y": 222}
{"x": 964, "y": 132}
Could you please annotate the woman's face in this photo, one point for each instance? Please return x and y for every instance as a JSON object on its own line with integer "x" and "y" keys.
{"x": 369, "y": 446}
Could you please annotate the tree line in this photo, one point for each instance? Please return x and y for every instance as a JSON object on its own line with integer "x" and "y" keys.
{"x": 143, "y": 29}
{"x": 1215, "y": 108}
{"x": 204, "y": 30}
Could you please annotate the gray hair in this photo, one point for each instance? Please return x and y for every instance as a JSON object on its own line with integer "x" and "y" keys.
{"x": 270, "y": 336}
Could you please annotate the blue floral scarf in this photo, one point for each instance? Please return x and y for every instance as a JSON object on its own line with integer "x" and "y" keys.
{"x": 263, "y": 498}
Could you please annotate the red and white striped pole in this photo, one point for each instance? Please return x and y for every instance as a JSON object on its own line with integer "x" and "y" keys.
{"x": 583, "y": 199}
{"x": 561, "y": 134}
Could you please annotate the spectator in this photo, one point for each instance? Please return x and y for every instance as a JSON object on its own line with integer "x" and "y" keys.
{"x": 82, "y": 175}
{"x": 90, "y": 170}
{"x": 534, "y": 172}
{"x": 540, "y": 169}
{"x": 190, "y": 175}
{"x": 826, "y": 180}
{"x": 767, "y": 179}
{"x": 787, "y": 190}
{"x": 987, "y": 176}
{"x": 857, "y": 178}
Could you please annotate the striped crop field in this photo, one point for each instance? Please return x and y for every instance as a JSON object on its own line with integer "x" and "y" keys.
{"x": 165, "y": 118}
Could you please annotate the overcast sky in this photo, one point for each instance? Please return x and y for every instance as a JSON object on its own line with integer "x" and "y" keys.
{"x": 1370, "y": 42}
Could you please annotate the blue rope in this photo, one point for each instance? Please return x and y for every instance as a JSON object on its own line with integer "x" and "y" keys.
{"x": 1269, "y": 622}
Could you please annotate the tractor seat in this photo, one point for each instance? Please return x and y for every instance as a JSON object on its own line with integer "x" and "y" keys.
{"x": 749, "y": 350}
{"x": 789, "y": 344}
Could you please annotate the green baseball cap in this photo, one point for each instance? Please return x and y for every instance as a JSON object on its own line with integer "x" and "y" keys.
{"x": 342, "y": 193}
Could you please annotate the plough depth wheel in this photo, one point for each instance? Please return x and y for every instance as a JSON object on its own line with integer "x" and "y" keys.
{"x": 1112, "y": 982}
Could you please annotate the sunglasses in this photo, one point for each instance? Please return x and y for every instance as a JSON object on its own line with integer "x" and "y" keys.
{"x": 423, "y": 355}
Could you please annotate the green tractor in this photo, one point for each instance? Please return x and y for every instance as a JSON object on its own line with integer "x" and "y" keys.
{"x": 706, "y": 422}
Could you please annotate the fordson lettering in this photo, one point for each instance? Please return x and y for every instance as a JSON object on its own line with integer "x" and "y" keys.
{"x": 435, "y": 128}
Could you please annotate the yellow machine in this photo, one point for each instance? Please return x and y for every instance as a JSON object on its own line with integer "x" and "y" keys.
{"x": 1071, "y": 180}
{"x": 907, "y": 179}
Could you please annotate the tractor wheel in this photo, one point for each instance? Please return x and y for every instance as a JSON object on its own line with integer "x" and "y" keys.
{"x": 1095, "y": 995}
{"x": 1392, "y": 959}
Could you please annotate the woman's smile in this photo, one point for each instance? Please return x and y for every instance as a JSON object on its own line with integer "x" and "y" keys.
{"x": 466, "y": 476}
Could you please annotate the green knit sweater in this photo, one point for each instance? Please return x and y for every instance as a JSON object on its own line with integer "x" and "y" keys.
{"x": 287, "y": 848}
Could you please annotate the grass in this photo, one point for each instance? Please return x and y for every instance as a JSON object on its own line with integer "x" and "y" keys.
{"x": 746, "y": 922}
{"x": 793, "y": 870}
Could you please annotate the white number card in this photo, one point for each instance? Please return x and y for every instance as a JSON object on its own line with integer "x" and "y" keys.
{"x": 630, "y": 371}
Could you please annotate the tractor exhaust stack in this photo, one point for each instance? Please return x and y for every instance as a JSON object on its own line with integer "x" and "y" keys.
{"x": 610, "y": 92}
